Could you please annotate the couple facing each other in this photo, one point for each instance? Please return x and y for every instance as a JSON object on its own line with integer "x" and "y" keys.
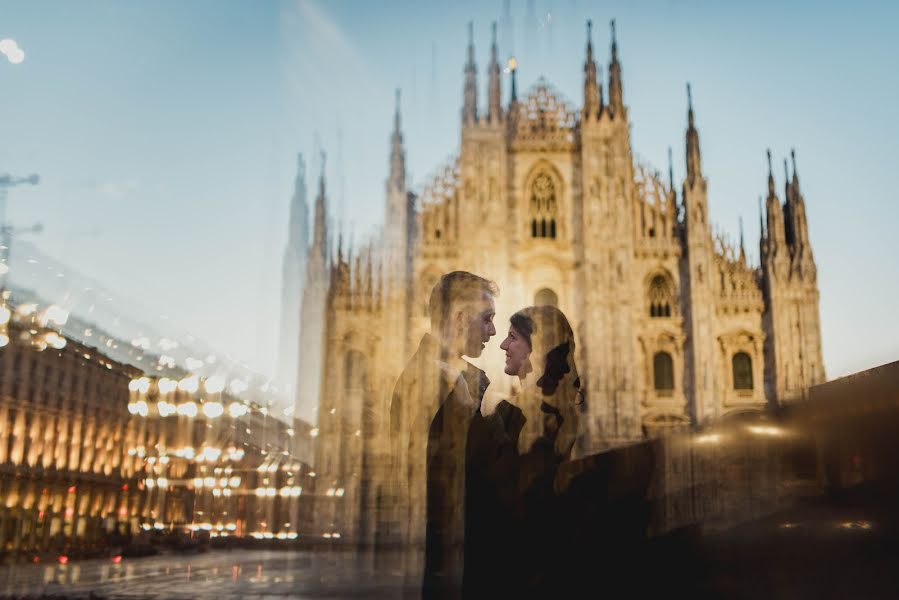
{"x": 473, "y": 480}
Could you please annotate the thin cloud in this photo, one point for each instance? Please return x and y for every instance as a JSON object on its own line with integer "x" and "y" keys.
{"x": 11, "y": 50}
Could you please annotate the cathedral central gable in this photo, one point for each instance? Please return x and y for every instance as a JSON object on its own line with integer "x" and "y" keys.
{"x": 543, "y": 120}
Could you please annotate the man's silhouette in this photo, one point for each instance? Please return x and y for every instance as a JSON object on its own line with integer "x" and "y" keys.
{"x": 433, "y": 403}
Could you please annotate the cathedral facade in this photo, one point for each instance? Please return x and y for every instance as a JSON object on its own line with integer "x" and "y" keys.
{"x": 673, "y": 326}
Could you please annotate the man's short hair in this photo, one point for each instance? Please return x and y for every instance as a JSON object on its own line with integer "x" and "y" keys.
{"x": 454, "y": 290}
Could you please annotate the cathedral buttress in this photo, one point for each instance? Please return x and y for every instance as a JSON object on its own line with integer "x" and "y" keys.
{"x": 605, "y": 259}
{"x": 701, "y": 368}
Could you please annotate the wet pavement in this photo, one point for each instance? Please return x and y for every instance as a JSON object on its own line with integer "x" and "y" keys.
{"x": 220, "y": 574}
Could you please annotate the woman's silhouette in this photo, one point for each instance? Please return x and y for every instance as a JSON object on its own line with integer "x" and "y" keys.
{"x": 515, "y": 526}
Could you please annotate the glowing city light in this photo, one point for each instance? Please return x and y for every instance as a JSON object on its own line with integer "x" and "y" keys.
{"x": 213, "y": 410}
{"x": 214, "y": 384}
{"x": 210, "y": 454}
{"x": 166, "y": 385}
{"x": 188, "y": 409}
{"x": 5, "y": 313}
{"x": 189, "y": 384}
{"x": 54, "y": 340}
{"x": 186, "y": 452}
{"x": 166, "y": 409}
{"x": 54, "y": 314}
{"x": 237, "y": 409}
{"x": 765, "y": 430}
{"x": 26, "y": 310}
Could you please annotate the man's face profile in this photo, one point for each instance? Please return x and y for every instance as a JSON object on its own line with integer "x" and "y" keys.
{"x": 477, "y": 323}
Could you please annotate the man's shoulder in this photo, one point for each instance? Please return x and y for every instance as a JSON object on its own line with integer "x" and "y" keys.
{"x": 419, "y": 366}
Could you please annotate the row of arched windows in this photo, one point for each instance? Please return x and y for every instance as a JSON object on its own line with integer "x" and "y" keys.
{"x": 663, "y": 371}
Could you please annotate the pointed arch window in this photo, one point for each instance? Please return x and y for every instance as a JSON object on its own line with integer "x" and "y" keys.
{"x": 661, "y": 297}
{"x": 663, "y": 372}
{"x": 543, "y": 207}
{"x": 741, "y": 364}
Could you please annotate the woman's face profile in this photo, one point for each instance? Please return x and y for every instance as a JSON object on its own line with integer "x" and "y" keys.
{"x": 517, "y": 352}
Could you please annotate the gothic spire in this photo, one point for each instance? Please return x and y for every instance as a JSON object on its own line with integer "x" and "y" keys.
{"x": 742, "y": 246}
{"x": 369, "y": 268}
{"x": 761, "y": 219}
{"x": 694, "y": 162}
{"x": 795, "y": 173}
{"x": 513, "y": 66}
{"x": 670, "y": 170}
{"x": 616, "y": 102}
{"x": 397, "y": 178}
{"x": 470, "y": 105}
{"x": 357, "y": 277}
{"x": 672, "y": 193}
{"x": 320, "y": 231}
{"x": 775, "y": 230}
{"x": 298, "y": 235}
{"x": 494, "y": 95}
{"x": 300, "y": 183}
{"x": 340, "y": 246}
{"x": 592, "y": 95}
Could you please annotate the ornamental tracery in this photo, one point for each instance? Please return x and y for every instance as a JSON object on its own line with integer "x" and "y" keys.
{"x": 544, "y": 119}
{"x": 542, "y": 206}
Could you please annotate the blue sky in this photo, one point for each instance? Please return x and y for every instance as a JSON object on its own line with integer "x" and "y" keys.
{"x": 166, "y": 133}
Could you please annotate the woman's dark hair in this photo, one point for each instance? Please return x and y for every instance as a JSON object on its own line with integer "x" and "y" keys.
{"x": 556, "y": 368}
{"x": 524, "y": 325}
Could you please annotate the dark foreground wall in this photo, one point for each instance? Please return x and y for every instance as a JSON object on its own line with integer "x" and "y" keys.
{"x": 796, "y": 502}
